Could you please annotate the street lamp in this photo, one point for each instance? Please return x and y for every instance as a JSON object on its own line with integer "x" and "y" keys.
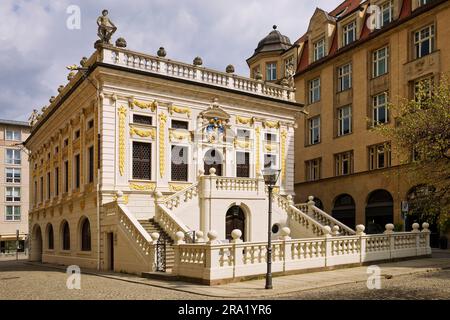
{"x": 270, "y": 179}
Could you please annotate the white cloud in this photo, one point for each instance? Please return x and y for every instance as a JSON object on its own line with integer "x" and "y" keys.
{"x": 35, "y": 45}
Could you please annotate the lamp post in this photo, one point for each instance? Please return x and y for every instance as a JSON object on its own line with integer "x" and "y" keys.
{"x": 270, "y": 179}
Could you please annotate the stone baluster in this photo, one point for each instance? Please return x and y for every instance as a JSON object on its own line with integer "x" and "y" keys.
{"x": 238, "y": 255}
{"x": 328, "y": 243}
{"x": 390, "y": 232}
{"x": 426, "y": 230}
{"x": 199, "y": 237}
{"x": 336, "y": 231}
{"x": 311, "y": 203}
{"x": 155, "y": 237}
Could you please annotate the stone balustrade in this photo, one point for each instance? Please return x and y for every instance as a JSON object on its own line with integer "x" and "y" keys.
{"x": 152, "y": 64}
{"x": 174, "y": 201}
{"x": 217, "y": 262}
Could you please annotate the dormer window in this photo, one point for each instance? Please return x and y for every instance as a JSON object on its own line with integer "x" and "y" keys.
{"x": 349, "y": 33}
{"x": 387, "y": 13}
{"x": 319, "y": 49}
{"x": 271, "y": 71}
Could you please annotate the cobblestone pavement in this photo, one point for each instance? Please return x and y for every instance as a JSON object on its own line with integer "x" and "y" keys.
{"x": 19, "y": 280}
{"x": 420, "y": 286}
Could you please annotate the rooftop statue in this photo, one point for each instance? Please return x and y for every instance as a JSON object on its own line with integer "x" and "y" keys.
{"x": 105, "y": 27}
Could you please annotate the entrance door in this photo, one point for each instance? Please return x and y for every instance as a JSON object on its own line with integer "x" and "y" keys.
{"x": 110, "y": 241}
{"x": 235, "y": 219}
{"x": 213, "y": 159}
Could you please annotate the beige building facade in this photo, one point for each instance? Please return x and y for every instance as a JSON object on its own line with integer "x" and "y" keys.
{"x": 352, "y": 62}
{"x": 14, "y": 187}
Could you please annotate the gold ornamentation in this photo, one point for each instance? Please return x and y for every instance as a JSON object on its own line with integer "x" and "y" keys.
{"x": 258, "y": 143}
{"x": 241, "y": 144}
{"x": 126, "y": 199}
{"x": 283, "y": 154}
{"x": 162, "y": 144}
{"x": 244, "y": 121}
{"x": 143, "y": 187}
{"x": 272, "y": 124}
{"x": 143, "y": 133}
{"x": 122, "y": 120}
{"x": 181, "y": 110}
{"x": 144, "y": 105}
{"x": 177, "y": 135}
{"x": 175, "y": 187}
{"x": 270, "y": 147}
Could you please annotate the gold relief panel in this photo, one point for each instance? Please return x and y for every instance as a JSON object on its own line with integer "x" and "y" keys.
{"x": 258, "y": 151}
{"x": 143, "y": 187}
{"x": 242, "y": 144}
{"x": 122, "y": 147}
{"x": 162, "y": 144}
{"x": 143, "y": 105}
{"x": 180, "y": 110}
{"x": 175, "y": 187}
{"x": 178, "y": 136}
{"x": 151, "y": 133}
{"x": 245, "y": 121}
{"x": 270, "y": 147}
{"x": 284, "y": 135}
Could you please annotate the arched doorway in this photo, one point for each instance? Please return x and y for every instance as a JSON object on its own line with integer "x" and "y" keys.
{"x": 379, "y": 211}
{"x": 235, "y": 219}
{"x": 344, "y": 210}
{"x": 213, "y": 159}
{"x": 36, "y": 244}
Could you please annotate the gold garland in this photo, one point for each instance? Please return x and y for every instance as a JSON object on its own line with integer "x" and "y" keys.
{"x": 174, "y": 187}
{"x": 244, "y": 121}
{"x": 270, "y": 147}
{"x": 241, "y": 144}
{"x": 283, "y": 154}
{"x": 144, "y": 187}
{"x": 143, "y": 133}
{"x": 162, "y": 144}
{"x": 143, "y": 105}
{"x": 258, "y": 136}
{"x": 122, "y": 118}
{"x": 176, "y": 109}
{"x": 272, "y": 124}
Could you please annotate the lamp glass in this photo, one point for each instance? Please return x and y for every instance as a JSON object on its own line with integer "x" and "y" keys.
{"x": 271, "y": 176}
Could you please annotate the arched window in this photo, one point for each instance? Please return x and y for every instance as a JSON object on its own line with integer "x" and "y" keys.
{"x": 235, "y": 219}
{"x": 213, "y": 159}
{"x": 50, "y": 239}
{"x": 379, "y": 211}
{"x": 344, "y": 210}
{"x": 65, "y": 234}
{"x": 85, "y": 235}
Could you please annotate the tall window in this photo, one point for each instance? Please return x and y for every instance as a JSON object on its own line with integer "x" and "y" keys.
{"x": 349, "y": 33}
{"x": 313, "y": 169}
{"x": 387, "y": 13}
{"x": 12, "y": 213}
{"x": 48, "y": 186}
{"x": 35, "y": 199}
{"x": 343, "y": 163}
{"x": 41, "y": 189}
{"x": 13, "y": 156}
{"x": 380, "y": 110}
{"x": 271, "y": 71}
{"x": 179, "y": 163}
{"x": 344, "y": 120}
{"x": 141, "y": 119}
{"x": 91, "y": 164}
{"x": 424, "y": 41}
{"x": 12, "y": 194}
{"x": 380, "y": 62}
{"x": 270, "y": 137}
{"x": 66, "y": 176}
{"x": 77, "y": 171}
{"x": 86, "y": 235}
{"x": 56, "y": 181}
{"x": 13, "y": 135}
{"x": 423, "y": 89}
{"x": 314, "y": 130}
{"x": 65, "y": 234}
{"x": 379, "y": 156}
{"x": 13, "y": 175}
{"x": 50, "y": 238}
{"x": 319, "y": 49}
{"x": 142, "y": 161}
{"x": 243, "y": 134}
{"x": 242, "y": 164}
{"x": 177, "y": 124}
{"x": 345, "y": 77}
{"x": 314, "y": 90}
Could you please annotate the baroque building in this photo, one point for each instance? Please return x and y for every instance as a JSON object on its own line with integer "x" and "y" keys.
{"x": 350, "y": 64}
{"x": 13, "y": 186}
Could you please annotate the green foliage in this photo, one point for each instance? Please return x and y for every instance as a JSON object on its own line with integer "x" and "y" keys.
{"x": 422, "y": 128}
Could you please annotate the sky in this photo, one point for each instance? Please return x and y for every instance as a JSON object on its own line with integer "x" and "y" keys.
{"x": 36, "y": 45}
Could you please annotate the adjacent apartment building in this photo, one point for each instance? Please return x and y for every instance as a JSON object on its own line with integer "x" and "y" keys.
{"x": 13, "y": 185}
{"x": 350, "y": 64}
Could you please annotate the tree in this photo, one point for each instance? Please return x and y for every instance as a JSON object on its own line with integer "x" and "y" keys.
{"x": 422, "y": 130}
